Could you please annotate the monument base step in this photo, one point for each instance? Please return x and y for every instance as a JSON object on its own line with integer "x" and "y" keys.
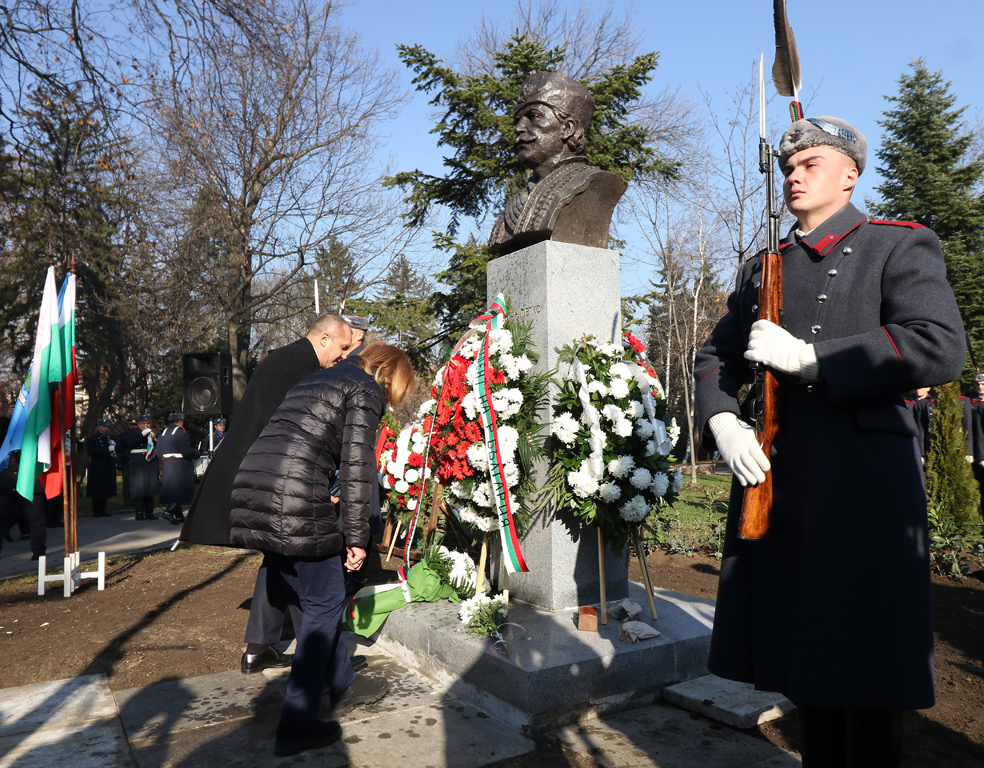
{"x": 735, "y": 704}
{"x": 545, "y": 672}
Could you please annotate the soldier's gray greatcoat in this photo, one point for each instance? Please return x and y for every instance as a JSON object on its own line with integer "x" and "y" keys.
{"x": 833, "y": 609}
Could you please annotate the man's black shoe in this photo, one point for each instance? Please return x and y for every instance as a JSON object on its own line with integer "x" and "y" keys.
{"x": 364, "y": 690}
{"x": 169, "y": 516}
{"x": 257, "y": 662}
{"x": 294, "y": 738}
{"x": 359, "y": 663}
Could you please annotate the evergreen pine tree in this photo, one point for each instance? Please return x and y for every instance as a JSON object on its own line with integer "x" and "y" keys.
{"x": 929, "y": 180}
{"x": 63, "y": 201}
{"x": 951, "y": 490}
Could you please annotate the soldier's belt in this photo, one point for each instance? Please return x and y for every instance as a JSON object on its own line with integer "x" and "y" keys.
{"x": 173, "y": 455}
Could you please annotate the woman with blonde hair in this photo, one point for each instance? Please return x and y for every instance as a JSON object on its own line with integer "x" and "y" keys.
{"x": 282, "y": 506}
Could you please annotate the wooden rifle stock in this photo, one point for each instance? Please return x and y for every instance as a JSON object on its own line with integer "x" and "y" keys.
{"x": 756, "y": 506}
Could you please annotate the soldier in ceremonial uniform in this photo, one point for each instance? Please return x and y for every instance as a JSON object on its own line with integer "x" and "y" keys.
{"x": 140, "y": 456}
{"x": 833, "y": 609}
{"x": 101, "y": 483}
{"x": 177, "y": 472}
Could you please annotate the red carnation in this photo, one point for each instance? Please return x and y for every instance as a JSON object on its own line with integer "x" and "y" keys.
{"x": 473, "y": 432}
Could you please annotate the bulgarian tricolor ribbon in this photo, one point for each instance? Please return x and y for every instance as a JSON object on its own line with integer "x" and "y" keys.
{"x": 512, "y": 554}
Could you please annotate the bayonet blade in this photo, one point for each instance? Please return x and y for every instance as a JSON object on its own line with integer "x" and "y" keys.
{"x": 762, "y": 96}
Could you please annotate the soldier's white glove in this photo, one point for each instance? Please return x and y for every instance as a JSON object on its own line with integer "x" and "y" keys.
{"x": 770, "y": 345}
{"x": 981, "y": 463}
{"x": 146, "y": 432}
{"x": 739, "y": 447}
{"x": 969, "y": 459}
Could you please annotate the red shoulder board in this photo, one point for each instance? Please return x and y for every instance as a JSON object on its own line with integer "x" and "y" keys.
{"x": 906, "y": 224}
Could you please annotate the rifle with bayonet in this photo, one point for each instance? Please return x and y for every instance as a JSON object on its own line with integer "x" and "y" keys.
{"x": 756, "y": 507}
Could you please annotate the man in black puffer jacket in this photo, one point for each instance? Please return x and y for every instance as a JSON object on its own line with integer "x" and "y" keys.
{"x": 281, "y": 505}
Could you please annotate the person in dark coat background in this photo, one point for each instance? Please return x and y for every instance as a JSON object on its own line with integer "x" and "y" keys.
{"x": 177, "y": 472}
{"x": 328, "y": 339}
{"x": 101, "y": 480}
{"x": 833, "y": 608}
{"x": 138, "y": 447}
{"x": 977, "y": 421}
{"x": 282, "y": 505}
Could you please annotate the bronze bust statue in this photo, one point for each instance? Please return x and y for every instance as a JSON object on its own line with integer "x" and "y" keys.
{"x": 566, "y": 199}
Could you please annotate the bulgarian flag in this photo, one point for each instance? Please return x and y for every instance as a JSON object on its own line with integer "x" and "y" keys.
{"x": 36, "y": 443}
{"x": 62, "y": 371}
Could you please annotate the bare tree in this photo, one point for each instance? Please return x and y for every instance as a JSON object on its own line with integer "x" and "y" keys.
{"x": 270, "y": 140}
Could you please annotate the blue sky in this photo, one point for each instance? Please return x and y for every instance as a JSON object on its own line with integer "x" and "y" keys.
{"x": 853, "y": 51}
{"x": 852, "y": 55}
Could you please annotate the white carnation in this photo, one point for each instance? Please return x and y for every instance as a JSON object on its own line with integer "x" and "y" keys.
{"x": 565, "y": 428}
{"x": 478, "y": 456}
{"x": 613, "y": 413}
{"x": 623, "y": 428}
{"x": 621, "y": 466}
{"x": 644, "y": 428}
{"x": 660, "y": 483}
{"x": 402, "y": 486}
{"x": 610, "y": 492}
{"x": 470, "y": 607}
{"x": 458, "y": 489}
{"x": 411, "y": 504}
{"x": 481, "y": 495}
{"x": 470, "y": 516}
{"x": 642, "y": 478}
{"x": 635, "y": 410}
{"x": 511, "y": 473}
{"x": 619, "y": 388}
{"x": 470, "y": 405}
{"x": 635, "y": 510}
{"x": 411, "y": 475}
{"x": 500, "y": 340}
{"x": 651, "y": 447}
{"x": 674, "y": 431}
{"x": 597, "y": 386}
{"x": 620, "y": 370}
{"x": 507, "y": 402}
{"x": 426, "y": 407}
{"x": 508, "y": 438}
{"x": 583, "y": 482}
{"x": 610, "y": 350}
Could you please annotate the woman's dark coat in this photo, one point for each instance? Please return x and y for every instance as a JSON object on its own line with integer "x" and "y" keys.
{"x": 207, "y": 521}
{"x": 177, "y": 472}
{"x": 833, "y": 608}
{"x": 280, "y": 500}
{"x": 101, "y": 479}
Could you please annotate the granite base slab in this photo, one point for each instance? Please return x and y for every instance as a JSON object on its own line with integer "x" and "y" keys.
{"x": 661, "y": 736}
{"x": 546, "y": 672}
{"x": 735, "y": 704}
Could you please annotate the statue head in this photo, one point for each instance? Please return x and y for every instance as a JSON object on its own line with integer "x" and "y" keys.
{"x": 552, "y": 115}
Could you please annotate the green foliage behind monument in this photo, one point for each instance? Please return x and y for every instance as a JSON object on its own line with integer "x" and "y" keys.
{"x": 930, "y": 179}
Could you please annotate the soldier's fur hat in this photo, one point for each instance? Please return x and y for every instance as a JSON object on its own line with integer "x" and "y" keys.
{"x": 175, "y": 417}
{"x": 824, "y": 131}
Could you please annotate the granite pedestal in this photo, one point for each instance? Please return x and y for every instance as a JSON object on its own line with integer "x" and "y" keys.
{"x": 547, "y": 673}
{"x": 566, "y": 292}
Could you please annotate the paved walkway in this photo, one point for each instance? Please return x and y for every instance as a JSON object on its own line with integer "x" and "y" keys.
{"x": 228, "y": 719}
{"x": 120, "y": 534}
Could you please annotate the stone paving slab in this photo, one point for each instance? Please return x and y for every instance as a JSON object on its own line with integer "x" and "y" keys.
{"x": 90, "y": 745}
{"x": 57, "y": 704}
{"x": 735, "y": 704}
{"x": 447, "y": 732}
{"x": 661, "y": 736}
